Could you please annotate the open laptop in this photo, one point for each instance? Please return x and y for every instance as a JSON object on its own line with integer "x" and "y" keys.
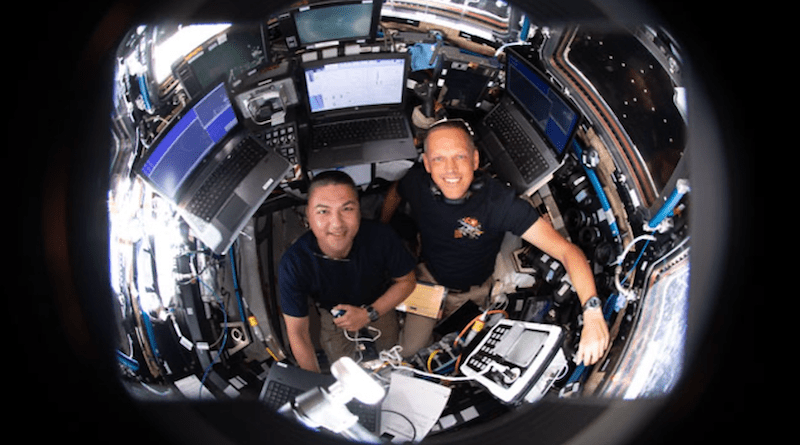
{"x": 528, "y": 134}
{"x": 284, "y": 382}
{"x": 344, "y": 96}
{"x": 208, "y": 165}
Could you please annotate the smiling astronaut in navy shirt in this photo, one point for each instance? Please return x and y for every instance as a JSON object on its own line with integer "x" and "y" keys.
{"x": 462, "y": 218}
{"x": 359, "y": 267}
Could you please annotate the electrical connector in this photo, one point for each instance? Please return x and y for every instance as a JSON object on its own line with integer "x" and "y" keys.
{"x": 477, "y": 327}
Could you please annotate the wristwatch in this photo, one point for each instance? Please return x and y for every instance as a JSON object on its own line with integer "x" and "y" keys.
{"x": 592, "y": 303}
{"x": 373, "y": 314}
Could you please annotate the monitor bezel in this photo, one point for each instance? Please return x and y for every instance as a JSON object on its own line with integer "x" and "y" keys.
{"x": 315, "y": 64}
{"x": 369, "y": 37}
{"x": 192, "y": 83}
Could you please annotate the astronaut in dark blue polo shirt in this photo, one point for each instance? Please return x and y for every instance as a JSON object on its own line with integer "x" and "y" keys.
{"x": 462, "y": 219}
{"x": 344, "y": 264}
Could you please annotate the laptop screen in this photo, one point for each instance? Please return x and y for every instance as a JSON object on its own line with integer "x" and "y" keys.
{"x": 353, "y": 83}
{"x": 188, "y": 141}
{"x": 553, "y": 115}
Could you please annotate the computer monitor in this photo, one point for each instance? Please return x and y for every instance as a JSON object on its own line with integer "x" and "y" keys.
{"x": 555, "y": 116}
{"x": 178, "y": 152}
{"x": 337, "y": 21}
{"x": 227, "y": 55}
{"x": 355, "y": 82}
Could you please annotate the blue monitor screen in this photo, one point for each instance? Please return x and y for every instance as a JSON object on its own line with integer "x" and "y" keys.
{"x": 556, "y": 119}
{"x": 189, "y": 141}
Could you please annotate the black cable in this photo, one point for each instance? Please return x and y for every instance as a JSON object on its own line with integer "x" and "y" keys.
{"x": 413, "y": 428}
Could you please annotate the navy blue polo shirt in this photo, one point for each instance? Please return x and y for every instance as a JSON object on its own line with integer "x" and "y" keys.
{"x": 460, "y": 241}
{"x": 377, "y": 256}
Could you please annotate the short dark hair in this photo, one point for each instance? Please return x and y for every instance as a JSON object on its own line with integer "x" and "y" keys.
{"x": 331, "y": 177}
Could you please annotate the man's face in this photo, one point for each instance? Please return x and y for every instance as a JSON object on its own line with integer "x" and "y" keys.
{"x": 451, "y": 161}
{"x": 334, "y": 216}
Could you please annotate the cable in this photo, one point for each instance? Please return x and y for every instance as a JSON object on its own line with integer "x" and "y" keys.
{"x": 499, "y": 305}
{"x": 483, "y": 315}
{"x": 630, "y": 245}
{"x": 564, "y": 370}
{"x": 598, "y": 188}
{"x": 430, "y": 358}
{"x": 225, "y": 297}
{"x": 444, "y": 377}
{"x": 224, "y": 336}
{"x": 445, "y": 368}
{"x": 506, "y": 45}
{"x": 145, "y": 93}
{"x": 681, "y": 188}
{"x": 237, "y": 290}
{"x": 627, "y": 292}
{"x": 413, "y": 428}
{"x": 392, "y": 358}
{"x": 482, "y": 319}
{"x": 357, "y": 339}
{"x": 188, "y": 278}
{"x": 636, "y": 262}
{"x": 128, "y": 361}
{"x": 163, "y": 393}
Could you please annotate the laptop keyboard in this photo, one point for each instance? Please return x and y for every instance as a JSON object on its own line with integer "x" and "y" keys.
{"x": 277, "y": 394}
{"x": 517, "y": 143}
{"x": 354, "y": 131}
{"x": 219, "y": 186}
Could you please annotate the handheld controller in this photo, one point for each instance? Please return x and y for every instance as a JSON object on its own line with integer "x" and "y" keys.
{"x": 337, "y": 312}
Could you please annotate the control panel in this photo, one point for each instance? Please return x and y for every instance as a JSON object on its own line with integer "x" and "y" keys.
{"x": 517, "y": 360}
{"x": 283, "y": 139}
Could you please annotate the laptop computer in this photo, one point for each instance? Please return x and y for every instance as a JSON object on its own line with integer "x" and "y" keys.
{"x": 348, "y": 95}
{"x": 284, "y": 382}
{"x": 207, "y": 164}
{"x": 528, "y": 134}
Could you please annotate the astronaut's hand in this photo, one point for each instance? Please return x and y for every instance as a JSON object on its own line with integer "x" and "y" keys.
{"x": 353, "y": 319}
{"x": 594, "y": 338}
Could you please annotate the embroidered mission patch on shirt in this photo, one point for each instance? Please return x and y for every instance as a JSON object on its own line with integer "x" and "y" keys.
{"x": 468, "y": 227}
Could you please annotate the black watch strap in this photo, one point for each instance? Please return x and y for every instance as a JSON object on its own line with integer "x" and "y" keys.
{"x": 592, "y": 303}
{"x": 373, "y": 314}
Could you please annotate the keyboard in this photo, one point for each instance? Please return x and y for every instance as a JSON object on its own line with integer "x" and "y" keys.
{"x": 354, "y": 131}
{"x": 220, "y": 185}
{"x": 517, "y": 143}
{"x": 277, "y": 394}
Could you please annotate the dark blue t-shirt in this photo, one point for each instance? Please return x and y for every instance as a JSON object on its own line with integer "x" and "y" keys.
{"x": 460, "y": 241}
{"x": 377, "y": 256}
